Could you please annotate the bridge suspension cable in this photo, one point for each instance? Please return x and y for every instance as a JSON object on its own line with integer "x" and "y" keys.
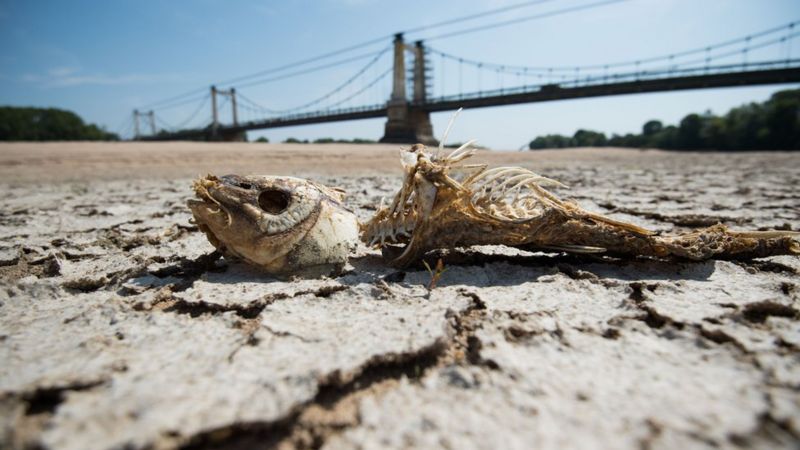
{"x": 383, "y": 38}
{"x": 545, "y": 15}
{"x": 203, "y": 99}
{"x": 653, "y": 68}
{"x": 194, "y": 114}
{"x": 364, "y": 44}
{"x": 362, "y": 90}
{"x": 743, "y": 50}
{"x": 192, "y": 96}
{"x": 181, "y": 102}
{"x": 749, "y": 40}
{"x": 328, "y": 95}
{"x": 222, "y": 104}
{"x": 310, "y": 70}
{"x": 164, "y": 124}
{"x": 125, "y": 128}
{"x": 253, "y": 106}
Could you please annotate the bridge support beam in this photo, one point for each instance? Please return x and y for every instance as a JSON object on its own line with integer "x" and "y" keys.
{"x": 407, "y": 122}
{"x": 216, "y": 134}
{"x": 136, "y": 131}
{"x": 152, "y": 117}
{"x": 214, "y": 114}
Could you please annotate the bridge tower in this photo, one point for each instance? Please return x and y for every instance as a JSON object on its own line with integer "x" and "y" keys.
{"x": 151, "y": 118}
{"x": 215, "y": 132}
{"x": 214, "y": 113}
{"x": 136, "y": 131}
{"x": 408, "y": 122}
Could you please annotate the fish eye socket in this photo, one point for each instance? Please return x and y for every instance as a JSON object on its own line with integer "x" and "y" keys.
{"x": 273, "y": 201}
{"x": 236, "y": 181}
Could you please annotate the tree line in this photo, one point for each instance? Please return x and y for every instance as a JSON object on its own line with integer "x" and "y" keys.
{"x": 770, "y": 125}
{"x": 48, "y": 124}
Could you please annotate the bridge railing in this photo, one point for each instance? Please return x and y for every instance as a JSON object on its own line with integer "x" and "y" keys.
{"x": 640, "y": 75}
{"x": 287, "y": 118}
{"x": 311, "y": 115}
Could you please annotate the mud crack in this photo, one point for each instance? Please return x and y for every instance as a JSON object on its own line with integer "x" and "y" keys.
{"x": 719, "y": 336}
{"x": 47, "y": 399}
{"x": 683, "y": 220}
{"x": 39, "y": 406}
{"x": 189, "y": 270}
{"x": 465, "y": 346}
{"x": 638, "y": 296}
{"x": 758, "y": 312}
{"x": 19, "y": 267}
{"x": 335, "y": 407}
{"x": 470, "y": 257}
{"x": 768, "y": 433}
{"x": 166, "y": 301}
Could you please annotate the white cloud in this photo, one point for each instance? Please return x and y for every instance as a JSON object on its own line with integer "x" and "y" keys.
{"x": 353, "y": 3}
{"x": 62, "y": 71}
{"x": 67, "y": 76}
{"x": 265, "y": 9}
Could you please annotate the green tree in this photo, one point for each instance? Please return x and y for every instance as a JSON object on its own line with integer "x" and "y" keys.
{"x": 667, "y": 138}
{"x": 628, "y": 140}
{"x": 714, "y": 133}
{"x": 588, "y": 138}
{"x": 771, "y": 125}
{"x": 689, "y": 132}
{"x": 745, "y": 126}
{"x": 47, "y": 124}
{"x": 550, "y": 141}
{"x": 652, "y": 127}
{"x": 782, "y": 119}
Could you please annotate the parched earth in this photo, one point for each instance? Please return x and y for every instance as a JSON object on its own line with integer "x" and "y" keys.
{"x": 121, "y": 328}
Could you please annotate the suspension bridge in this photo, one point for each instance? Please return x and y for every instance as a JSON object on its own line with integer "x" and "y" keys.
{"x": 406, "y": 71}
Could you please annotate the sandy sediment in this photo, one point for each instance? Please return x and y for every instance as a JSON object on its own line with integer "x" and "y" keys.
{"x": 120, "y": 328}
{"x": 78, "y": 161}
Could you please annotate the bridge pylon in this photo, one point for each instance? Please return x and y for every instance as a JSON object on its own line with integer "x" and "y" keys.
{"x": 136, "y": 131}
{"x": 215, "y": 134}
{"x": 408, "y": 122}
{"x": 151, "y": 119}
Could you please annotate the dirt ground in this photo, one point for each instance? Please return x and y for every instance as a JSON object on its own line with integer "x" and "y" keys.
{"x": 119, "y": 328}
{"x": 89, "y": 161}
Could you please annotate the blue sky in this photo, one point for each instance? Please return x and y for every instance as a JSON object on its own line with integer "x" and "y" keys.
{"x": 101, "y": 59}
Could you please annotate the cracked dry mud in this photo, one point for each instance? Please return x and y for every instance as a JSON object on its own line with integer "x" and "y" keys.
{"x": 121, "y": 328}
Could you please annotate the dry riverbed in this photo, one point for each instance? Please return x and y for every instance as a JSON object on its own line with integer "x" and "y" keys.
{"x": 120, "y": 328}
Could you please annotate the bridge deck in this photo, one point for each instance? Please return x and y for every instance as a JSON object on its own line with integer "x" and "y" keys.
{"x": 555, "y": 92}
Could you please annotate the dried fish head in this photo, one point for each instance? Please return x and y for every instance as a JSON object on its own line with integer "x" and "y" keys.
{"x": 285, "y": 225}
